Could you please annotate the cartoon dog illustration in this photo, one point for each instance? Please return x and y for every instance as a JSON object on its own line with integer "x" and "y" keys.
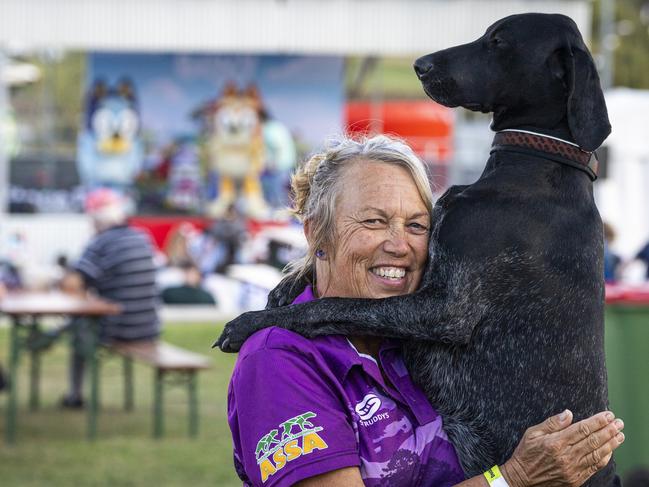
{"x": 110, "y": 148}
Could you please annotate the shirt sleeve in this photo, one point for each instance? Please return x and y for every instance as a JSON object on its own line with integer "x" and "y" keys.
{"x": 89, "y": 265}
{"x": 289, "y": 419}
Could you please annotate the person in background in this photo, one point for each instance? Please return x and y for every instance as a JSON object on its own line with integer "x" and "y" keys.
{"x": 191, "y": 291}
{"x": 612, "y": 261}
{"x": 9, "y": 280}
{"x": 221, "y": 244}
{"x": 643, "y": 256}
{"x": 118, "y": 265}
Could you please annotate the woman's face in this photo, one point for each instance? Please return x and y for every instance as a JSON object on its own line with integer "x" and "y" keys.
{"x": 381, "y": 242}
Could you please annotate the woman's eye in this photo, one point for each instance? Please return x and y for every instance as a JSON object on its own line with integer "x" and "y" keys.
{"x": 418, "y": 227}
{"x": 373, "y": 221}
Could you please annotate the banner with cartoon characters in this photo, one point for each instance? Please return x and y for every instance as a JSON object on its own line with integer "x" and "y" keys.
{"x": 204, "y": 133}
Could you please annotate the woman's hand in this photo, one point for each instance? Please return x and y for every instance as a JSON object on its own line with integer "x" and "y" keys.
{"x": 556, "y": 453}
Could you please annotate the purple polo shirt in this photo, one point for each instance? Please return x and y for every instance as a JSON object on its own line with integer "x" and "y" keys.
{"x": 300, "y": 407}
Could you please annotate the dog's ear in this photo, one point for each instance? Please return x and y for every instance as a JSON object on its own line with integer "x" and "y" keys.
{"x": 587, "y": 115}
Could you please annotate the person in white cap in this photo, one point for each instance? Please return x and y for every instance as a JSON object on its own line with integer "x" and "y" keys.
{"x": 118, "y": 265}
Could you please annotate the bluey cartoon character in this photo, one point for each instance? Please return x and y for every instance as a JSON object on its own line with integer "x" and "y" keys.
{"x": 110, "y": 148}
{"x": 235, "y": 150}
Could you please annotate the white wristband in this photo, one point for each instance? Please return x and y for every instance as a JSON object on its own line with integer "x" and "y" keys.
{"x": 495, "y": 478}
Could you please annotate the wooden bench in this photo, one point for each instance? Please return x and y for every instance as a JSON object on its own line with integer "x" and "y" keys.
{"x": 172, "y": 365}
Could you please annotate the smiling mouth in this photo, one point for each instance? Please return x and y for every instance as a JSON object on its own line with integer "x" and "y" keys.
{"x": 395, "y": 274}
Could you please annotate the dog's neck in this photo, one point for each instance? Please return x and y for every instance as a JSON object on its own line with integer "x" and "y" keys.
{"x": 541, "y": 134}
{"x": 560, "y": 130}
{"x": 553, "y": 148}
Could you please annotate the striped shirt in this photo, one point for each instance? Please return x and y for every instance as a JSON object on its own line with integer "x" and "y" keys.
{"x": 118, "y": 263}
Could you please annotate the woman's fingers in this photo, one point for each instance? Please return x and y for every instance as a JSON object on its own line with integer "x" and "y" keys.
{"x": 597, "y": 459}
{"x": 592, "y": 444}
{"x": 581, "y": 430}
{"x": 594, "y": 451}
{"x": 561, "y": 453}
{"x": 553, "y": 424}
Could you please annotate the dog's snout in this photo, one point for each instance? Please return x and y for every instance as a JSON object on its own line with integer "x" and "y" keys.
{"x": 422, "y": 66}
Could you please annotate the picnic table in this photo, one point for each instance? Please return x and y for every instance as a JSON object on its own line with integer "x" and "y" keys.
{"x": 26, "y": 309}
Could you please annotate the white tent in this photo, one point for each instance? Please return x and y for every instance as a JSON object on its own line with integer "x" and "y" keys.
{"x": 364, "y": 27}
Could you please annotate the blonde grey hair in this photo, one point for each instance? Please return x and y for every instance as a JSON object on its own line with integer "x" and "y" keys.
{"x": 316, "y": 187}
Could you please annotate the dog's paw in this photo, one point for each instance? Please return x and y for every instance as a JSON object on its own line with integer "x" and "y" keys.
{"x": 235, "y": 334}
{"x": 277, "y": 297}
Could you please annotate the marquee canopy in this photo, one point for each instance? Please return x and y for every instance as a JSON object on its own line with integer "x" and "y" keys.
{"x": 356, "y": 27}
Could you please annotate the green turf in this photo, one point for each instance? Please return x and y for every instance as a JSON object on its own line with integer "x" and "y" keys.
{"x": 51, "y": 449}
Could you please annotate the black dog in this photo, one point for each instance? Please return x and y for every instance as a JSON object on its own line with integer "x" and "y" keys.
{"x": 507, "y": 326}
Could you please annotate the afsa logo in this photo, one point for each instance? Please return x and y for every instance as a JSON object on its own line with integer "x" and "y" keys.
{"x": 298, "y": 437}
{"x": 368, "y": 406}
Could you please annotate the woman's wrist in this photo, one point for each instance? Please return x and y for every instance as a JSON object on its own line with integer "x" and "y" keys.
{"x": 513, "y": 473}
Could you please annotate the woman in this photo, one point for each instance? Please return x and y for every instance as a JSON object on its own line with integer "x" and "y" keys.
{"x": 342, "y": 410}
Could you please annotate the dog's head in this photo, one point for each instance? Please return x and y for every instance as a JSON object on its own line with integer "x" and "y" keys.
{"x": 530, "y": 70}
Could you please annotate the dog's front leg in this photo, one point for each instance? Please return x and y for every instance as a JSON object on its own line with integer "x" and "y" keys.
{"x": 425, "y": 315}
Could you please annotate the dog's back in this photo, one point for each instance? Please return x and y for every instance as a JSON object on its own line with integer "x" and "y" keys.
{"x": 531, "y": 229}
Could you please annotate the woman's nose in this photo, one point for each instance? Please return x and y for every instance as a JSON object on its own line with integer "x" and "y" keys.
{"x": 396, "y": 242}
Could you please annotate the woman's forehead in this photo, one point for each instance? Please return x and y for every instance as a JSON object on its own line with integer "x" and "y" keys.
{"x": 379, "y": 185}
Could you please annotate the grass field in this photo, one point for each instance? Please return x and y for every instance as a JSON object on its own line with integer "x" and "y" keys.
{"x": 51, "y": 449}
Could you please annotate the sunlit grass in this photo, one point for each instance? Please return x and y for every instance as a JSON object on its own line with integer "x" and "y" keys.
{"x": 52, "y": 450}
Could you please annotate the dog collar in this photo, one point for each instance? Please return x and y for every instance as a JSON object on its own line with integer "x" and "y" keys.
{"x": 559, "y": 150}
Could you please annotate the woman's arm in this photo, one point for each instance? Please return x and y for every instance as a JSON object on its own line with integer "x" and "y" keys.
{"x": 285, "y": 412}
{"x": 344, "y": 477}
{"x": 558, "y": 453}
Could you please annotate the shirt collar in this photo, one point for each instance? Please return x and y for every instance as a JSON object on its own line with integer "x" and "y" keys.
{"x": 342, "y": 356}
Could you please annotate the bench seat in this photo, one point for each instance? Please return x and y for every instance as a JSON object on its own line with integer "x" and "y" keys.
{"x": 161, "y": 355}
{"x": 172, "y": 365}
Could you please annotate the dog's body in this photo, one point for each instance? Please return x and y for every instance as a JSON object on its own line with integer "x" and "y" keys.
{"x": 507, "y": 326}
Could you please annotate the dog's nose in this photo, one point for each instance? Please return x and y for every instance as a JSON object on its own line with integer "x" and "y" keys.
{"x": 422, "y": 66}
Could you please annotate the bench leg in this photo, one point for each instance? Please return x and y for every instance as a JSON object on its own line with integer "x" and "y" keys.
{"x": 158, "y": 426}
{"x": 14, "y": 352}
{"x": 35, "y": 368}
{"x": 34, "y": 381}
{"x": 93, "y": 362}
{"x": 128, "y": 384}
{"x": 193, "y": 405}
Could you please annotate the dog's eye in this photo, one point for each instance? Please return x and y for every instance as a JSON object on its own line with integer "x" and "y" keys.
{"x": 497, "y": 42}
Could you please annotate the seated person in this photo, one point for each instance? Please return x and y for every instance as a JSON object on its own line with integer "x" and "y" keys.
{"x": 118, "y": 265}
{"x": 190, "y": 292}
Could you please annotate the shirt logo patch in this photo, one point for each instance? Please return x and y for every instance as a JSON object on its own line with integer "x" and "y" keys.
{"x": 292, "y": 439}
{"x": 368, "y": 406}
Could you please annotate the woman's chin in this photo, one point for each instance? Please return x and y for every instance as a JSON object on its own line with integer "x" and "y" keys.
{"x": 385, "y": 287}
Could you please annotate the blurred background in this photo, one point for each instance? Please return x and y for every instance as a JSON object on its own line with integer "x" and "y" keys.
{"x": 197, "y": 111}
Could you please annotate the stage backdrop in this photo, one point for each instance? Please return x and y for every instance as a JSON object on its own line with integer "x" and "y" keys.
{"x": 196, "y": 133}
